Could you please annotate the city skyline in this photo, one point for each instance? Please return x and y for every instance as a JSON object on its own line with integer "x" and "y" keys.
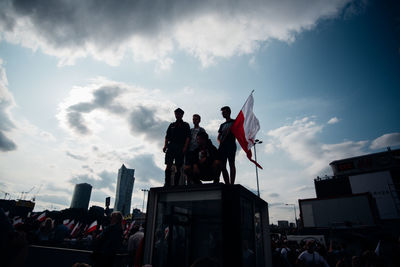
{"x": 123, "y": 193}
{"x": 84, "y": 89}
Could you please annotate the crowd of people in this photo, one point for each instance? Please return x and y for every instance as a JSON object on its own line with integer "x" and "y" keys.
{"x": 313, "y": 253}
{"x": 114, "y": 236}
{"x": 192, "y": 150}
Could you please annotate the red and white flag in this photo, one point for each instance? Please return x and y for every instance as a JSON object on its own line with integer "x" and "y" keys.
{"x": 92, "y": 227}
{"x": 71, "y": 225}
{"x": 246, "y": 127}
{"x": 75, "y": 230}
{"x": 17, "y": 221}
{"x": 65, "y": 222}
{"x": 42, "y": 217}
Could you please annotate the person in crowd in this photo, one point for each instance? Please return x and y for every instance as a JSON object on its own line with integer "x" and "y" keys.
{"x": 60, "y": 231}
{"x": 206, "y": 166}
{"x": 175, "y": 146}
{"x": 227, "y": 146}
{"x": 108, "y": 242}
{"x": 133, "y": 242}
{"x": 310, "y": 257}
{"x": 45, "y": 231}
{"x": 190, "y": 155}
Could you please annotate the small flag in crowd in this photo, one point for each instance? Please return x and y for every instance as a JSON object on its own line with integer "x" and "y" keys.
{"x": 246, "y": 127}
{"x": 17, "y": 221}
{"x": 92, "y": 227}
{"x": 75, "y": 230}
{"x": 71, "y": 225}
{"x": 42, "y": 217}
{"x": 65, "y": 222}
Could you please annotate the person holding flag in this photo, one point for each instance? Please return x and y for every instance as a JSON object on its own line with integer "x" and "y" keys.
{"x": 227, "y": 146}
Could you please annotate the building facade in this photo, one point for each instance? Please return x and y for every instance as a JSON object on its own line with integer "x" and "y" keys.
{"x": 377, "y": 174}
{"x": 81, "y": 197}
{"x": 123, "y": 196}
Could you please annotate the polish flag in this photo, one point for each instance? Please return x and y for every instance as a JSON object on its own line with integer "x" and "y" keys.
{"x": 101, "y": 228}
{"x": 71, "y": 225}
{"x": 42, "y": 217}
{"x": 75, "y": 230}
{"x": 65, "y": 222}
{"x": 246, "y": 127}
{"x": 92, "y": 227}
{"x": 17, "y": 221}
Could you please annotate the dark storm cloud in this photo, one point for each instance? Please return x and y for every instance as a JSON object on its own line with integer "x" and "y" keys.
{"x": 106, "y": 180}
{"x": 145, "y": 169}
{"x": 142, "y": 120}
{"x": 77, "y": 157}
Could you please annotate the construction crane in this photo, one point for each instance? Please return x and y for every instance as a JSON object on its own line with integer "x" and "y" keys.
{"x": 5, "y": 194}
{"x": 37, "y": 192}
{"x": 25, "y": 193}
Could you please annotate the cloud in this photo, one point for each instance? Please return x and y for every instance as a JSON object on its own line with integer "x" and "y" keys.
{"x": 56, "y": 199}
{"x": 386, "y": 140}
{"x": 273, "y": 195}
{"x": 146, "y": 169}
{"x": 77, "y": 157}
{"x": 143, "y": 120}
{"x": 301, "y": 141}
{"x": 6, "y": 103}
{"x": 333, "y": 120}
{"x": 101, "y": 180}
{"x": 205, "y": 29}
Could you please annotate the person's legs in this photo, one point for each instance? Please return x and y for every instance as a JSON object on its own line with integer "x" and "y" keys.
{"x": 196, "y": 174}
{"x": 216, "y": 170}
{"x": 224, "y": 171}
{"x": 232, "y": 167}
{"x": 187, "y": 170}
{"x": 178, "y": 163}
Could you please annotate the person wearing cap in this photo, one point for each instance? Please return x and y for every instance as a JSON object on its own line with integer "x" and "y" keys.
{"x": 175, "y": 146}
{"x": 227, "y": 146}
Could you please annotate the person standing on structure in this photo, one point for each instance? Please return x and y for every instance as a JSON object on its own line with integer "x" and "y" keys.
{"x": 175, "y": 146}
{"x": 227, "y": 146}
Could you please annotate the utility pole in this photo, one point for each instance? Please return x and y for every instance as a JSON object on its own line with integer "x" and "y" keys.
{"x": 144, "y": 196}
{"x": 255, "y": 157}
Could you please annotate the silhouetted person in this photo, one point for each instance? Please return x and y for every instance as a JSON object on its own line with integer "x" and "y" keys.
{"x": 207, "y": 165}
{"x": 109, "y": 242}
{"x": 190, "y": 156}
{"x": 175, "y": 146}
{"x": 227, "y": 146}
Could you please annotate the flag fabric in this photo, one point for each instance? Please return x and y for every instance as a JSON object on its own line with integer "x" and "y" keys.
{"x": 17, "y": 221}
{"x": 92, "y": 227}
{"x": 42, "y": 217}
{"x": 74, "y": 231}
{"x": 65, "y": 222}
{"x": 246, "y": 127}
{"x": 71, "y": 225}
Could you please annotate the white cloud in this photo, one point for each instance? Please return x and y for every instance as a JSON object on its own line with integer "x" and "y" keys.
{"x": 300, "y": 141}
{"x": 333, "y": 120}
{"x": 152, "y": 30}
{"x": 386, "y": 140}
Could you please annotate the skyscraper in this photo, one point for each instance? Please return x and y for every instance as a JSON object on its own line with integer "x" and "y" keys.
{"x": 81, "y": 196}
{"x": 123, "y": 195}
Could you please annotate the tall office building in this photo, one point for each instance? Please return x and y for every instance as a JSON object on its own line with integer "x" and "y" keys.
{"x": 123, "y": 195}
{"x": 81, "y": 196}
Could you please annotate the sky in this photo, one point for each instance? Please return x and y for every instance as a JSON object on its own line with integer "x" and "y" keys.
{"x": 86, "y": 86}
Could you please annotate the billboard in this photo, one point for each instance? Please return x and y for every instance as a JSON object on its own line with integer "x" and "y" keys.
{"x": 378, "y": 184}
{"x": 355, "y": 210}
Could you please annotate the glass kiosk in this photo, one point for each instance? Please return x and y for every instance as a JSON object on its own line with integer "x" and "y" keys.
{"x": 227, "y": 223}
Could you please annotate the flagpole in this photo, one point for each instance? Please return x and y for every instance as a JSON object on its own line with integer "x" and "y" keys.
{"x": 255, "y": 158}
